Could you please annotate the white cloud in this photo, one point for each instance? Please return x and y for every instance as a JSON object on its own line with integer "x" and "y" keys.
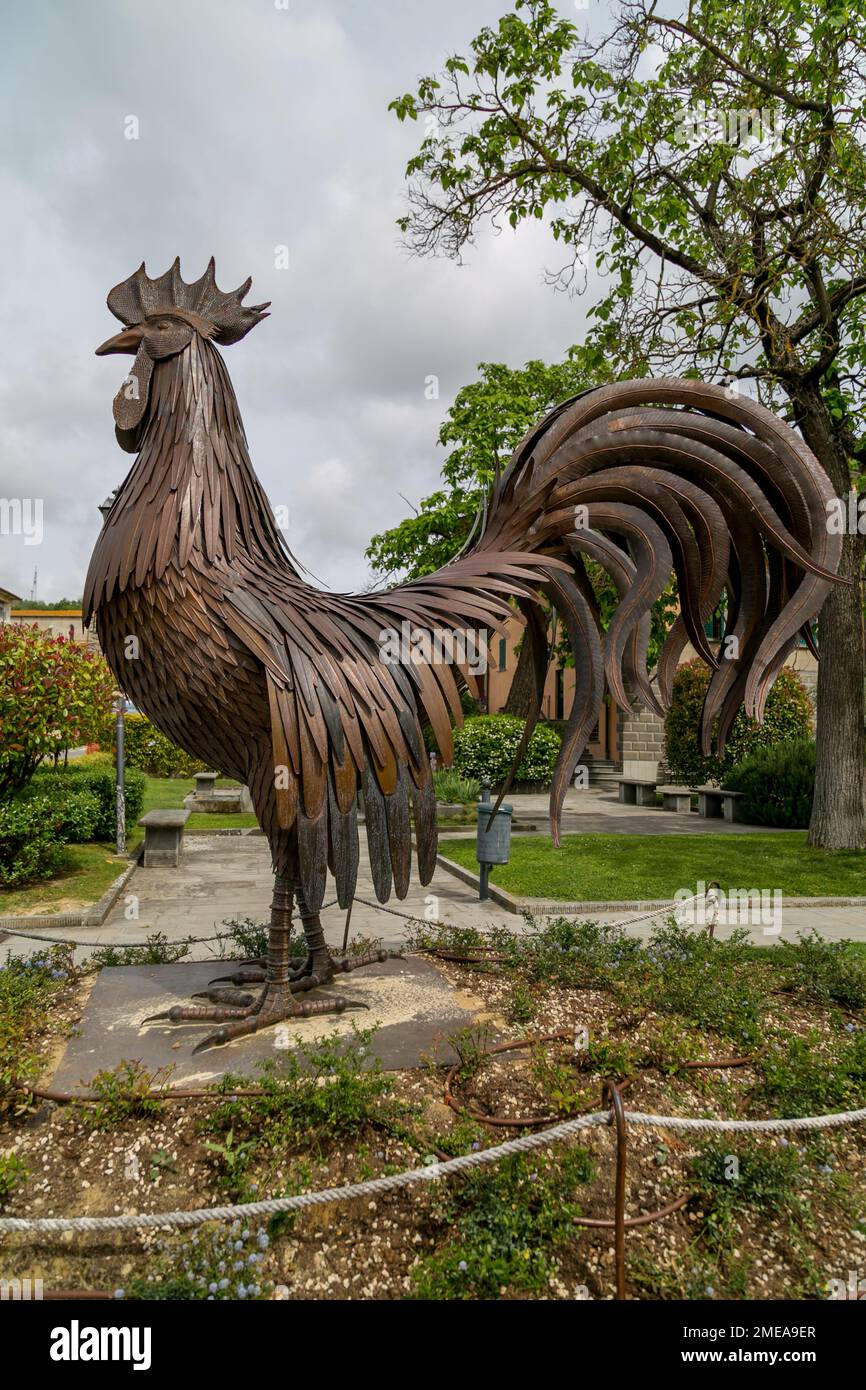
{"x": 258, "y": 128}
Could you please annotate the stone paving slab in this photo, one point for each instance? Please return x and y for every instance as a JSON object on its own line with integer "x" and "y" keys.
{"x": 410, "y": 1002}
{"x": 221, "y": 877}
{"x": 598, "y": 811}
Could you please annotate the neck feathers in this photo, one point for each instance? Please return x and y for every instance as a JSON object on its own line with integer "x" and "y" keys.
{"x": 191, "y": 495}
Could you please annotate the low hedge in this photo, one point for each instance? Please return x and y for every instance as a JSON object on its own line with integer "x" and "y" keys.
{"x": 777, "y": 784}
{"x": 63, "y": 787}
{"x": 485, "y": 747}
{"x": 31, "y": 843}
{"x": 150, "y": 751}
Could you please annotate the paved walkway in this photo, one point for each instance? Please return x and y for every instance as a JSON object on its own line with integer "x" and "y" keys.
{"x": 223, "y": 877}
{"x": 597, "y": 811}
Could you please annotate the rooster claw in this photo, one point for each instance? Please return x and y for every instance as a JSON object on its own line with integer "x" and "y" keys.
{"x": 238, "y": 998}
{"x": 240, "y": 977}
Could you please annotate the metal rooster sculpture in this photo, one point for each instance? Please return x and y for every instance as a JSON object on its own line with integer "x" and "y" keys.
{"x": 285, "y": 688}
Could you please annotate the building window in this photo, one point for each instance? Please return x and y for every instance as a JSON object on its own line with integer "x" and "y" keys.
{"x": 560, "y": 695}
{"x": 503, "y": 654}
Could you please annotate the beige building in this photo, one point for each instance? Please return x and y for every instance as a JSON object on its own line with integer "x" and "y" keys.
{"x": 603, "y": 749}
{"x": 54, "y": 622}
{"x": 6, "y": 601}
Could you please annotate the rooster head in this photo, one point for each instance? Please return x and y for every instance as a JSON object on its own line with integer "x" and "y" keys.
{"x": 161, "y": 317}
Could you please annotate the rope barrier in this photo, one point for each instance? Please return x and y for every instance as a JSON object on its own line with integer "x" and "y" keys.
{"x": 674, "y": 905}
{"x": 127, "y": 945}
{"x": 429, "y": 1172}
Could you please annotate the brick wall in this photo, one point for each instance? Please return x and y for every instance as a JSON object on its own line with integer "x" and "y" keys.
{"x": 642, "y": 745}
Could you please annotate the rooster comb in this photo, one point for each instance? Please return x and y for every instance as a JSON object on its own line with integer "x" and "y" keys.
{"x": 133, "y": 300}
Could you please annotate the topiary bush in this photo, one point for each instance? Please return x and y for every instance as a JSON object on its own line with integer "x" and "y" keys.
{"x": 777, "y": 784}
{"x": 485, "y": 747}
{"x": 148, "y": 749}
{"x": 31, "y": 844}
{"x": 64, "y": 787}
{"x": 788, "y": 716}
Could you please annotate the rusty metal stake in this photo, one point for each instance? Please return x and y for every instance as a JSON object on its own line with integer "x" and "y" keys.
{"x": 618, "y": 1116}
{"x": 346, "y": 928}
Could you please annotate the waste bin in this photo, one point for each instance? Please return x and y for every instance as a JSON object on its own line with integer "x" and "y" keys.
{"x": 492, "y": 840}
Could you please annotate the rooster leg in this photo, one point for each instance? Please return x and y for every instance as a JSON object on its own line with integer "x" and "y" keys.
{"x": 318, "y": 968}
{"x": 320, "y": 965}
{"x": 276, "y": 1002}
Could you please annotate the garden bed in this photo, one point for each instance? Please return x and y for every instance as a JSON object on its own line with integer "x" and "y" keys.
{"x": 764, "y": 1218}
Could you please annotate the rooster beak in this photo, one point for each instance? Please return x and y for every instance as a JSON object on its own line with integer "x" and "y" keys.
{"x": 127, "y": 341}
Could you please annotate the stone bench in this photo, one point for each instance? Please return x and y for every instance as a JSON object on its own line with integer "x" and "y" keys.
{"x": 205, "y": 784}
{"x": 163, "y": 838}
{"x": 715, "y": 802}
{"x": 678, "y": 799}
{"x": 635, "y": 792}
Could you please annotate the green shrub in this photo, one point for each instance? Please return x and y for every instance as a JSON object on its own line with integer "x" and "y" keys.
{"x": 148, "y": 749}
{"x": 220, "y": 1263}
{"x": 777, "y": 784}
{"x": 124, "y": 1093}
{"x": 770, "y": 1181}
{"x": 76, "y": 806}
{"x": 64, "y": 786}
{"x": 709, "y": 981}
{"x": 27, "y": 989}
{"x": 13, "y": 1174}
{"x": 450, "y": 786}
{"x": 505, "y": 1227}
{"x": 787, "y": 716}
{"x": 484, "y": 749}
{"x": 54, "y": 695}
{"x": 827, "y": 971}
{"x": 31, "y": 843}
{"x": 801, "y": 1076}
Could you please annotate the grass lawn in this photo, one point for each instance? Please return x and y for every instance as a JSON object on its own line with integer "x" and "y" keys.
{"x": 87, "y": 872}
{"x": 604, "y": 868}
{"x": 163, "y": 793}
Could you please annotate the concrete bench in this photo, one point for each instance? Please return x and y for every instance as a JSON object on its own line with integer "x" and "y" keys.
{"x": 634, "y": 792}
{"x": 163, "y": 838}
{"x": 678, "y": 799}
{"x": 715, "y": 802}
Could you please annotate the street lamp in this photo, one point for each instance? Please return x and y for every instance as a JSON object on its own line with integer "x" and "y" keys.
{"x": 119, "y": 727}
{"x": 121, "y": 781}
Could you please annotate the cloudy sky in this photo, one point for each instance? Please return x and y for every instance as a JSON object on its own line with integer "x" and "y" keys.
{"x": 258, "y": 127}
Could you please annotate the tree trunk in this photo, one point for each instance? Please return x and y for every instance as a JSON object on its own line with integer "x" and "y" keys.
{"x": 838, "y": 819}
{"x": 522, "y": 686}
